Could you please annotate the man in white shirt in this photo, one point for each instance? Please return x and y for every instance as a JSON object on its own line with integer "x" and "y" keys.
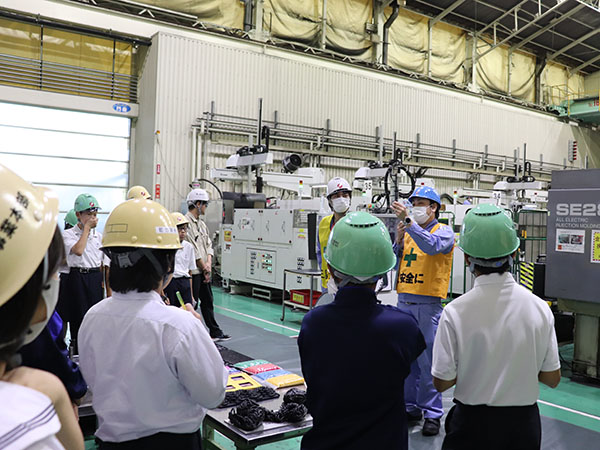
{"x": 185, "y": 263}
{"x": 199, "y": 237}
{"x": 83, "y": 287}
{"x": 495, "y": 343}
{"x": 153, "y": 369}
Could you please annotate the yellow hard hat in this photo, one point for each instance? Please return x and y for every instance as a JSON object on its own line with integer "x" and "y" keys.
{"x": 179, "y": 218}
{"x": 138, "y": 192}
{"x": 28, "y": 217}
{"x": 141, "y": 223}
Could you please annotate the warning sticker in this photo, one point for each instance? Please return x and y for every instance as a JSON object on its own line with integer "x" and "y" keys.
{"x": 570, "y": 241}
{"x": 227, "y": 235}
{"x": 595, "y": 253}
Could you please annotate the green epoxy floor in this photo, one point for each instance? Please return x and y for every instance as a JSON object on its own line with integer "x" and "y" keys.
{"x": 260, "y": 313}
{"x": 573, "y": 403}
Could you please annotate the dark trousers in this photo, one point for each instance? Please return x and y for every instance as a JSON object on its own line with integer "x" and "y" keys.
{"x": 158, "y": 441}
{"x": 84, "y": 290}
{"x": 493, "y": 427}
{"x": 203, "y": 294}
{"x": 62, "y": 307}
{"x": 183, "y": 286}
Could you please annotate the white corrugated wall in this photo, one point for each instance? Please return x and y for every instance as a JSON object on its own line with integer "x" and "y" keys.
{"x": 307, "y": 91}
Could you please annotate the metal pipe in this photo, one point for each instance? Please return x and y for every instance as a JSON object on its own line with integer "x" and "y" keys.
{"x": 248, "y": 15}
{"x": 258, "y": 130}
{"x": 380, "y": 133}
{"x": 429, "y": 44}
{"x": 324, "y": 25}
{"x": 386, "y": 31}
{"x": 194, "y": 153}
{"x": 524, "y": 159}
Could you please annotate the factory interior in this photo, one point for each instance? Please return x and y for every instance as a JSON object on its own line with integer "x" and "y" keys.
{"x": 244, "y": 134}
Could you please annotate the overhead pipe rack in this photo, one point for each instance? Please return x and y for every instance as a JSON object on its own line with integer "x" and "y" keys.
{"x": 327, "y": 142}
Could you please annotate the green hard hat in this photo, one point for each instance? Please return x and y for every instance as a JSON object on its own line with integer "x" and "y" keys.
{"x": 488, "y": 232}
{"x": 86, "y": 201}
{"x": 359, "y": 245}
{"x": 71, "y": 218}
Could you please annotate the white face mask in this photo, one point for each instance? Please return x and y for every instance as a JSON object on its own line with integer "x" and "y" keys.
{"x": 341, "y": 204}
{"x": 50, "y": 296}
{"x": 420, "y": 214}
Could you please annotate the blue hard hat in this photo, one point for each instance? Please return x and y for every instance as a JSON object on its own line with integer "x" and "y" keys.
{"x": 426, "y": 192}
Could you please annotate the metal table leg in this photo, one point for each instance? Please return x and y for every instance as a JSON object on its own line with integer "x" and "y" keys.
{"x": 283, "y": 298}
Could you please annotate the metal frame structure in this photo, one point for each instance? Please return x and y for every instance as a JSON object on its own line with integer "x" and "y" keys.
{"x": 520, "y": 24}
{"x": 235, "y": 131}
{"x": 525, "y": 34}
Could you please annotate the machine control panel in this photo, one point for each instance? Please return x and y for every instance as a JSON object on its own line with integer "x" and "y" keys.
{"x": 260, "y": 265}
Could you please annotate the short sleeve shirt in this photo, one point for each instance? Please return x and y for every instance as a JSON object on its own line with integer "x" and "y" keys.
{"x": 494, "y": 340}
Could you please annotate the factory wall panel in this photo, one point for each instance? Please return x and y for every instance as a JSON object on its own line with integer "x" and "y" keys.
{"x": 143, "y": 158}
{"x": 307, "y": 91}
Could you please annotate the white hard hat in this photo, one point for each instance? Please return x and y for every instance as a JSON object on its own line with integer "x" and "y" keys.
{"x": 337, "y": 184}
{"x": 197, "y": 195}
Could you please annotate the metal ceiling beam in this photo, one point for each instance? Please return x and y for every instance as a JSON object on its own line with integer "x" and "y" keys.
{"x": 537, "y": 44}
{"x": 568, "y": 38}
{"x": 503, "y": 27}
{"x": 574, "y": 43}
{"x": 447, "y": 11}
{"x": 552, "y": 23}
{"x": 516, "y": 32}
{"x": 502, "y": 16}
{"x": 587, "y": 63}
{"x": 497, "y": 8}
{"x": 551, "y": 51}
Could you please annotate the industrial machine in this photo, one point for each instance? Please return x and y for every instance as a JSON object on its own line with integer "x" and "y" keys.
{"x": 392, "y": 179}
{"x": 260, "y": 243}
{"x": 573, "y": 260}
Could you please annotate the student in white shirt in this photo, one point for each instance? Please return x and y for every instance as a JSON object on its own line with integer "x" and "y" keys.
{"x": 198, "y": 235}
{"x": 84, "y": 286}
{"x": 153, "y": 369}
{"x": 185, "y": 263}
{"x": 494, "y": 343}
{"x": 35, "y": 409}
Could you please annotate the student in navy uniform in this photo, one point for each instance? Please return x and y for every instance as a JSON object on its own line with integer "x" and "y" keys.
{"x": 85, "y": 260}
{"x": 153, "y": 369}
{"x": 49, "y": 352}
{"x": 185, "y": 263}
{"x": 356, "y": 353}
{"x": 494, "y": 343}
{"x": 199, "y": 237}
{"x": 35, "y": 410}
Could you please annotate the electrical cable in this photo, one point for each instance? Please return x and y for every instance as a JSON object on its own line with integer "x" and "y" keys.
{"x": 213, "y": 184}
{"x": 394, "y": 168}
